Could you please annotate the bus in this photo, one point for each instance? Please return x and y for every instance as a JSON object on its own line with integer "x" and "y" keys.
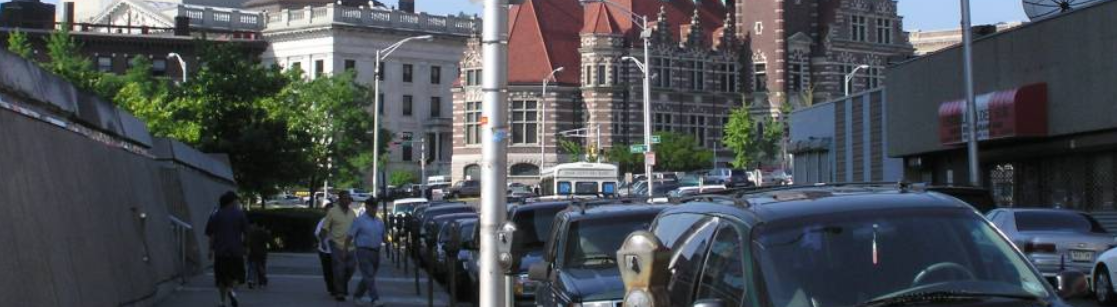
{"x": 579, "y": 179}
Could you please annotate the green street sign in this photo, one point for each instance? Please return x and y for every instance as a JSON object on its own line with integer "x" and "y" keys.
{"x": 655, "y": 139}
{"x": 638, "y": 148}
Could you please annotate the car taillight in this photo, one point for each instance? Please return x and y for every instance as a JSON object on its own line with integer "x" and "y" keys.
{"x": 1044, "y": 248}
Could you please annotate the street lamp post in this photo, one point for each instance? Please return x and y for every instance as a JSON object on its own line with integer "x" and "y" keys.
{"x": 971, "y": 106}
{"x": 181, "y": 63}
{"x": 381, "y": 54}
{"x": 645, "y": 67}
{"x": 543, "y": 122}
{"x": 849, "y": 77}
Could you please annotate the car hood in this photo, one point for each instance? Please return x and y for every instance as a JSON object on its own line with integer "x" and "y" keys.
{"x": 593, "y": 284}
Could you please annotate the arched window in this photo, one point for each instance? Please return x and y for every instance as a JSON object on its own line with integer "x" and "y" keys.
{"x": 473, "y": 171}
{"x": 524, "y": 169}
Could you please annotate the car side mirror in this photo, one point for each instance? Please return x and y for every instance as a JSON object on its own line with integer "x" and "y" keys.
{"x": 1071, "y": 284}
{"x": 539, "y": 271}
{"x": 642, "y": 260}
{"x": 710, "y": 302}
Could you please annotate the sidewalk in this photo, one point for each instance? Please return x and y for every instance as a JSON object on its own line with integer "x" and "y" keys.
{"x": 296, "y": 280}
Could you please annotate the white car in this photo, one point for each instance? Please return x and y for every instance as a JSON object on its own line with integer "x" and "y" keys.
{"x": 1105, "y": 267}
{"x": 406, "y": 205}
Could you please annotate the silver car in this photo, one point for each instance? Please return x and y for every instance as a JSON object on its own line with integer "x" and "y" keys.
{"x": 1054, "y": 239}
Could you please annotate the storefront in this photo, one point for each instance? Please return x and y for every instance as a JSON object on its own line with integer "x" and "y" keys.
{"x": 1047, "y": 113}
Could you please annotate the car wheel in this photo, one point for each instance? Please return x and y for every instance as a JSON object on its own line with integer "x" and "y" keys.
{"x": 1103, "y": 287}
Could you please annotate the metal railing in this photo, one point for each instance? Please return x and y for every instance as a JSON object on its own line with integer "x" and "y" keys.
{"x": 182, "y": 232}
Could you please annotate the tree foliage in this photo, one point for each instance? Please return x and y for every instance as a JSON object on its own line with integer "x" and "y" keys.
{"x": 18, "y": 43}
{"x": 573, "y": 149}
{"x": 627, "y": 162}
{"x": 400, "y": 178}
{"x": 681, "y": 153}
{"x": 752, "y": 143}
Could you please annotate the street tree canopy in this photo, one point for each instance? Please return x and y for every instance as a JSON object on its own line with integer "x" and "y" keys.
{"x": 681, "y": 153}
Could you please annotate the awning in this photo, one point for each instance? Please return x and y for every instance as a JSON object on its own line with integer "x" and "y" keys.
{"x": 1018, "y": 112}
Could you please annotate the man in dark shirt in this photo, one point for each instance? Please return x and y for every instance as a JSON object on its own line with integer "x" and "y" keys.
{"x": 227, "y": 228}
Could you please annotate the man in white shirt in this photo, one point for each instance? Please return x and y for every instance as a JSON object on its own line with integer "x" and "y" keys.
{"x": 324, "y": 255}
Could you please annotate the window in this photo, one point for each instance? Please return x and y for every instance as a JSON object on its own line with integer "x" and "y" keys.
{"x": 472, "y": 172}
{"x": 159, "y": 67}
{"x": 407, "y": 70}
{"x": 875, "y": 78}
{"x": 380, "y": 71}
{"x": 319, "y": 68}
{"x": 600, "y": 74}
{"x": 691, "y": 246}
{"x": 436, "y": 75}
{"x": 884, "y": 31}
{"x": 524, "y": 169}
{"x": 406, "y": 151}
{"x": 662, "y": 122}
{"x": 473, "y": 77}
{"x": 407, "y": 105}
{"x": 524, "y": 122}
{"x": 697, "y": 76}
{"x": 724, "y": 274}
{"x": 797, "y": 76}
{"x": 104, "y": 64}
{"x": 760, "y": 77}
{"x": 473, "y": 122}
{"x": 436, "y": 107}
{"x": 698, "y": 128}
{"x": 857, "y": 28}
{"x": 664, "y": 72}
{"x": 431, "y": 146}
{"x": 351, "y": 66}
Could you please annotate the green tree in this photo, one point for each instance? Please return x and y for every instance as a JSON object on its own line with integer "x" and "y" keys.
{"x": 18, "y": 44}
{"x": 574, "y": 150}
{"x": 400, "y": 178}
{"x": 627, "y": 162}
{"x": 681, "y": 153}
{"x": 153, "y": 101}
{"x": 740, "y": 137}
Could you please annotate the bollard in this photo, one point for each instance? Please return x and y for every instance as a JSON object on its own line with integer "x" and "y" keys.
{"x": 454, "y": 283}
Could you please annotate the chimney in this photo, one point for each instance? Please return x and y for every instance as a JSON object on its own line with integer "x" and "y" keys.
{"x": 407, "y": 6}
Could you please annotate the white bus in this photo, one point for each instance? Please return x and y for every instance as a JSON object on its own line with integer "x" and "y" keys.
{"x": 583, "y": 178}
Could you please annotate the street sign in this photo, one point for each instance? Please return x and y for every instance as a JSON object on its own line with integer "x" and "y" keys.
{"x": 650, "y": 157}
{"x": 638, "y": 148}
{"x": 655, "y": 139}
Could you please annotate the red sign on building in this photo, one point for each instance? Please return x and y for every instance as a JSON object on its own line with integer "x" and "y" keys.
{"x": 1019, "y": 112}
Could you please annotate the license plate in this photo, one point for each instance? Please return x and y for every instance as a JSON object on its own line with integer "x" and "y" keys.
{"x": 1082, "y": 256}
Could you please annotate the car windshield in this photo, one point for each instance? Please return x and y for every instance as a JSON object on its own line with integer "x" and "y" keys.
{"x": 403, "y": 208}
{"x": 1057, "y": 221}
{"x": 846, "y": 260}
{"x": 519, "y": 189}
{"x": 594, "y": 242}
{"x": 535, "y": 224}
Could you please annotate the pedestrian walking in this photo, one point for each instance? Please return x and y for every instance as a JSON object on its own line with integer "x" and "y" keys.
{"x": 259, "y": 239}
{"x": 324, "y": 253}
{"x": 336, "y": 229}
{"x": 226, "y": 229}
{"x": 368, "y": 235}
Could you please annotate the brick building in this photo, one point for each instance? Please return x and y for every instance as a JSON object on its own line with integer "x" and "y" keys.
{"x": 693, "y": 58}
{"x": 801, "y": 50}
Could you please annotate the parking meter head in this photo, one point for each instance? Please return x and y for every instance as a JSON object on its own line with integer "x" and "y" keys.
{"x": 642, "y": 260}
{"x": 505, "y": 239}
{"x": 1071, "y": 284}
{"x": 454, "y": 244}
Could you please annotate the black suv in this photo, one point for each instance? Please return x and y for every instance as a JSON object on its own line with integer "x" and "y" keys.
{"x": 533, "y": 224}
{"x": 579, "y": 259}
{"x": 821, "y": 246}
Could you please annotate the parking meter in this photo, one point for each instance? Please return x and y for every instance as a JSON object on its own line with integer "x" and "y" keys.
{"x": 506, "y": 251}
{"x": 642, "y": 260}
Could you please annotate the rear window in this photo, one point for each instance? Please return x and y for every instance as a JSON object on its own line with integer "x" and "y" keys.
{"x": 1057, "y": 221}
{"x": 535, "y": 225}
{"x": 585, "y": 188}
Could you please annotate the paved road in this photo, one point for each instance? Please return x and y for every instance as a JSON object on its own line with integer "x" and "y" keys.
{"x": 296, "y": 281}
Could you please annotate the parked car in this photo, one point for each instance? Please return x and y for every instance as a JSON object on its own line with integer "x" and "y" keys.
{"x": 696, "y": 190}
{"x": 359, "y": 196}
{"x": 466, "y": 272}
{"x": 465, "y": 188}
{"x": 438, "y": 191}
{"x": 284, "y": 201}
{"x": 533, "y": 223}
{"x": 821, "y": 247}
{"x": 405, "y": 206}
{"x": 731, "y": 178}
{"x": 520, "y": 192}
{"x": 1054, "y": 239}
{"x": 436, "y": 228}
{"x": 579, "y": 260}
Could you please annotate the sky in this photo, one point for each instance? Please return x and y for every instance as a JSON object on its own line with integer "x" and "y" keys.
{"x": 918, "y": 14}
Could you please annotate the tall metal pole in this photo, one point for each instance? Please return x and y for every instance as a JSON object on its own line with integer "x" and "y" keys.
{"x": 494, "y": 148}
{"x": 423, "y": 167}
{"x": 376, "y": 128}
{"x": 648, "y": 113}
{"x": 543, "y": 129}
{"x": 971, "y": 105}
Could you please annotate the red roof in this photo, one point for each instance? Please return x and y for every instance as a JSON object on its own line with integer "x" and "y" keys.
{"x": 543, "y": 36}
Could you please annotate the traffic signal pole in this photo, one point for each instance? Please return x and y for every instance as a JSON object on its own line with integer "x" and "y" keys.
{"x": 494, "y": 149}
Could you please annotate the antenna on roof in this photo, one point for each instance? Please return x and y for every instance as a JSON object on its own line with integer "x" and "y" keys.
{"x": 1039, "y": 9}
